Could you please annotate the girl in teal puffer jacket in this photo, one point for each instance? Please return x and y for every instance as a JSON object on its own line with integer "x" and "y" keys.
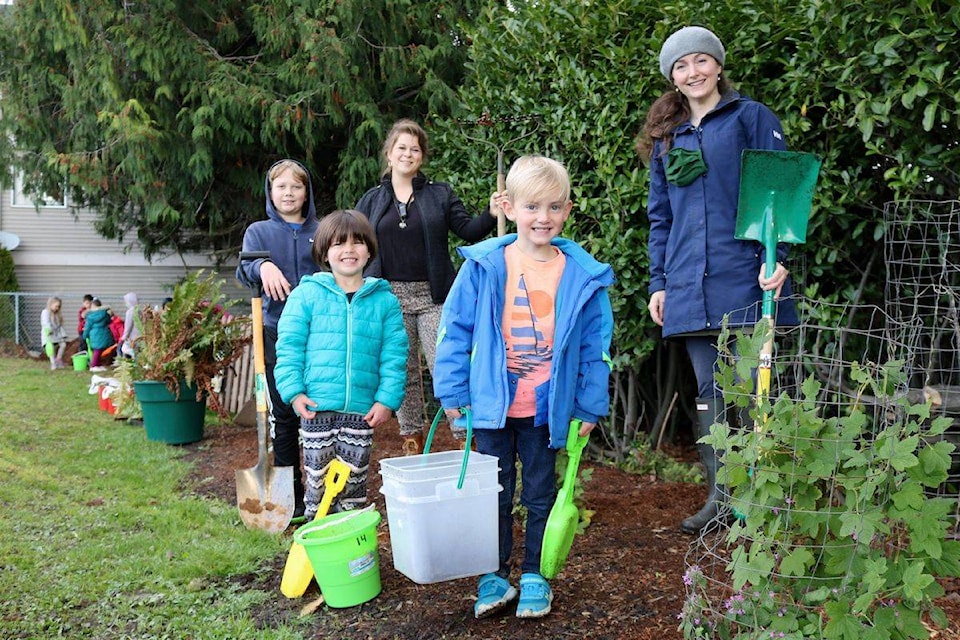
{"x": 341, "y": 357}
{"x": 96, "y": 332}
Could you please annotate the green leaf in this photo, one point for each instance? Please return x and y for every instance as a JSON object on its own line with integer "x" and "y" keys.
{"x": 841, "y": 625}
{"x": 796, "y": 562}
{"x": 929, "y": 115}
{"x": 915, "y": 581}
{"x": 909, "y": 496}
{"x": 938, "y": 617}
{"x": 886, "y": 45}
{"x": 884, "y": 619}
{"x": 901, "y": 456}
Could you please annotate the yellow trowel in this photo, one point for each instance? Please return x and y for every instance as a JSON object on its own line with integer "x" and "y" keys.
{"x": 297, "y": 572}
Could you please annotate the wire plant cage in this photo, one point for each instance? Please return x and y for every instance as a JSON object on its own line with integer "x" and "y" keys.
{"x": 793, "y": 533}
{"x": 922, "y": 252}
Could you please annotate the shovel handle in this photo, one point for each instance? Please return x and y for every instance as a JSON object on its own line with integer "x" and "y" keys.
{"x": 255, "y": 255}
{"x": 501, "y": 186}
{"x": 769, "y": 310}
{"x": 259, "y": 364}
{"x": 769, "y": 304}
{"x": 575, "y": 445}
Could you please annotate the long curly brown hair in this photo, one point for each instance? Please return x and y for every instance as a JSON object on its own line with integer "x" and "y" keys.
{"x": 667, "y": 113}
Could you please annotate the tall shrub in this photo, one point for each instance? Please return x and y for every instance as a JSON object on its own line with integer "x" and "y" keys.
{"x": 8, "y": 283}
{"x": 868, "y": 89}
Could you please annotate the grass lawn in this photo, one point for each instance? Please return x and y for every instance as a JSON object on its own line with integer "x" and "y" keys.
{"x": 98, "y": 536}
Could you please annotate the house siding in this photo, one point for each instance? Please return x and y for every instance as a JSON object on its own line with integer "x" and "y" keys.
{"x": 60, "y": 253}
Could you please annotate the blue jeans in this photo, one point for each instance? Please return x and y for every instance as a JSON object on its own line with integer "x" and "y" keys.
{"x": 521, "y": 439}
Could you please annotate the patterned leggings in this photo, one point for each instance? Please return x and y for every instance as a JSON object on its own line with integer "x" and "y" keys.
{"x": 335, "y": 435}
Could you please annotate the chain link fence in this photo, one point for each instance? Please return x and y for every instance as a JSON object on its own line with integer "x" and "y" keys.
{"x": 20, "y": 331}
{"x": 20, "y": 316}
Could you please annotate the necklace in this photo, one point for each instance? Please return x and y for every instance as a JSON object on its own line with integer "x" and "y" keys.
{"x": 402, "y": 211}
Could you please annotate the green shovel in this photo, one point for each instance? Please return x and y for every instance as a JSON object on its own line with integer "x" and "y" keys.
{"x": 776, "y": 193}
{"x": 564, "y": 516}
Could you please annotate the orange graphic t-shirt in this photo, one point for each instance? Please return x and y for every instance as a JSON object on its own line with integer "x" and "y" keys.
{"x": 528, "y": 323}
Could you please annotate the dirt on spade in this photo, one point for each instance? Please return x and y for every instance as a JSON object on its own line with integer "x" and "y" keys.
{"x": 622, "y": 581}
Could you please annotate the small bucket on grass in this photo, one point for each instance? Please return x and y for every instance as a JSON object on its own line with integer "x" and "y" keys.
{"x": 80, "y": 361}
{"x": 342, "y": 549}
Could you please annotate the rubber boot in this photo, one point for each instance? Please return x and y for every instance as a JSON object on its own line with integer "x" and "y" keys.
{"x": 706, "y": 416}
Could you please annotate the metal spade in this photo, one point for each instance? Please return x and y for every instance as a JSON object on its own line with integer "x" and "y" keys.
{"x": 264, "y": 492}
{"x": 776, "y": 194}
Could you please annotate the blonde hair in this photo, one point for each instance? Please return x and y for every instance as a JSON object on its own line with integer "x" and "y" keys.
{"x": 340, "y": 226}
{"x": 279, "y": 167}
{"x": 58, "y": 314}
{"x": 534, "y": 175}
{"x": 399, "y": 128}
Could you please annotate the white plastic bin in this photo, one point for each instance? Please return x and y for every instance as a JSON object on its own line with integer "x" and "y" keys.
{"x": 437, "y": 531}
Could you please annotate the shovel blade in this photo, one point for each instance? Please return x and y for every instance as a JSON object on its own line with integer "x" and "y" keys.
{"x": 265, "y": 497}
{"x": 558, "y": 538}
{"x": 776, "y": 194}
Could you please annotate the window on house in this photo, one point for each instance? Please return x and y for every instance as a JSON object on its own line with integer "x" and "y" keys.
{"x": 19, "y": 199}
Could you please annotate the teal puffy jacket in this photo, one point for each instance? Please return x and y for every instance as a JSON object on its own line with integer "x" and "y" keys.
{"x": 96, "y": 329}
{"x": 345, "y": 355}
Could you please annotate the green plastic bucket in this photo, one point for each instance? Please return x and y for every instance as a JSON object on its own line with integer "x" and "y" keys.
{"x": 80, "y": 361}
{"x": 166, "y": 419}
{"x": 342, "y": 549}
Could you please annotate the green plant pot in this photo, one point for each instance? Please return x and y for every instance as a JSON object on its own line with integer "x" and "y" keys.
{"x": 166, "y": 419}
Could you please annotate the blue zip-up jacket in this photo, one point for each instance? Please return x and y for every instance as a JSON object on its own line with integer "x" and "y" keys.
{"x": 345, "y": 355}
{"x": 471, "y": 365}
{"x": 290, "y": 250}
{"x": 694, "y": 256}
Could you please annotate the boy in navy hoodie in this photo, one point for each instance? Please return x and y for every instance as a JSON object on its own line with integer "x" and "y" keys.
{"x": 287, "y": 234}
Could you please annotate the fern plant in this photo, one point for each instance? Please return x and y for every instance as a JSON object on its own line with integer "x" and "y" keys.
{"x": 193, "y": 339}
{"x": 838, "y": 534}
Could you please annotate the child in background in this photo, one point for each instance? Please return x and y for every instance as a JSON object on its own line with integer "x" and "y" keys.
{"x": 130, "y": 331}
{"x": 96, "y": 332}
{"x": 54, "y": 336}
{"x": 82, "y": 312}
{"x": 341, "y": 357}
{"x": 287, "y": 234}
{"x": 524, "y": 342}
{"x": 116, "y": 330}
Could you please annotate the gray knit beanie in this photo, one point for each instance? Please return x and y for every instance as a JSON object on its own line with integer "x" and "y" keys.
{"x": 686, "y": 41}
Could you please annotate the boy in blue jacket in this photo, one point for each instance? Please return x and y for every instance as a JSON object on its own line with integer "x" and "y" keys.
{"x": 524, "y": 342}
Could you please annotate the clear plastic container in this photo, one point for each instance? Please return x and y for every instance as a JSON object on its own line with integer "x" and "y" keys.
{"x": 439, "y": 531}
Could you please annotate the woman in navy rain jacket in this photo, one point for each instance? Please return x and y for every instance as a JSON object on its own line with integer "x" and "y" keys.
{"x": 693, "y": 137}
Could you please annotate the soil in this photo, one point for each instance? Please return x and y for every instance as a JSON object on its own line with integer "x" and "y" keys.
{"x": 622, "y": 580}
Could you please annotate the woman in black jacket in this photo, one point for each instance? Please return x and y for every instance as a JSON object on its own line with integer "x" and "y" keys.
{"x": 413, "y": 217}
